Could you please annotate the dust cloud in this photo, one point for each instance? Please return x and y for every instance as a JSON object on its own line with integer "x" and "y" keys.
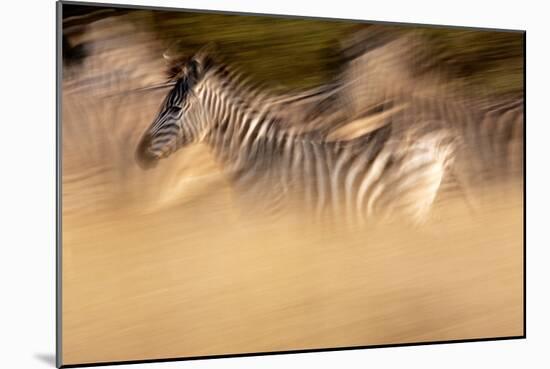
{"x": 163, "y": 263}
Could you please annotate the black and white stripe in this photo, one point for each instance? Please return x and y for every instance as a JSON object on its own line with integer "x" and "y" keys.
{"x": 380, "y": 173}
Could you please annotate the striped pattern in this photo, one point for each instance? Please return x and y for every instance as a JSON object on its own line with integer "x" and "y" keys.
{"x": 498, "y": 141}
{"x": 380, "y": 174}
{"x": 488, "y": 136}
{"x": 394, "y": 73}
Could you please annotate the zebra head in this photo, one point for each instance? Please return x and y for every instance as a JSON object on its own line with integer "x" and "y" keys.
{"x": 181, "y": 118}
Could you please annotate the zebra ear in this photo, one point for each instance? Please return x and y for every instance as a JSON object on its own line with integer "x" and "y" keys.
{"x": 172, "y": 54}
{"x": 205, "y": 54}
{"x": 193, "y": 70}
{"x": 175, "y": 61}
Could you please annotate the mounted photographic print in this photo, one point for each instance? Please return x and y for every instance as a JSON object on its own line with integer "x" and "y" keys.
{"x": 237, "y": 184}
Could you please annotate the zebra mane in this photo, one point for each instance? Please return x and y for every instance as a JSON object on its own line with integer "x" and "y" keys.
{"x": 177, "y": 67}
{"x": 212, "y": 64}
{"x": 303, "y": 114}
{"x": 174, "y": 69}
{"x": 297, "y": 112}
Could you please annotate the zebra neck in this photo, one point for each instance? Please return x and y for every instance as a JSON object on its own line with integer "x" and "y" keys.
{"x": 241, "y": 132}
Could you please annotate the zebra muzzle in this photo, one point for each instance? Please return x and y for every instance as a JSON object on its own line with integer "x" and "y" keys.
{"x": 143, "y": 156}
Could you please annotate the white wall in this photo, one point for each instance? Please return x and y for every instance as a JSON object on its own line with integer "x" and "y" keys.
{"x": 27, "y": 182}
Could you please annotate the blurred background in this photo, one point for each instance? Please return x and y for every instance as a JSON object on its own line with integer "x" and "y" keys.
{"x": 163, "y": 263}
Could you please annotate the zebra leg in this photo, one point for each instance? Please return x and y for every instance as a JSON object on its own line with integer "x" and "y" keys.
{"x": 416, "y": 180}
{"x": 416, "y": 199}
{"x": 462, "y": 186}
{"x": 260, "y": 199}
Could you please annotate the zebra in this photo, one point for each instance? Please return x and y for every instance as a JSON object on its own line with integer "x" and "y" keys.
{"x": 489, "y": 137}
{"x": 497, "y": 145}
{"x": 389, "y": 69}
{"x": 380, "y": 174}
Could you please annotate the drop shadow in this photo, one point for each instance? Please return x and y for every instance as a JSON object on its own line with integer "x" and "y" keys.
{"x": 46, "y": 358}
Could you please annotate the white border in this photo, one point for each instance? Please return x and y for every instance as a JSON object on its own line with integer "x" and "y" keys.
{"x": 27, "y": 184}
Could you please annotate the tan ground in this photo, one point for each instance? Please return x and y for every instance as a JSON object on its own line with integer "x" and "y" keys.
{"x": 192, "y": 279}
{"x": 161, "y": 264}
